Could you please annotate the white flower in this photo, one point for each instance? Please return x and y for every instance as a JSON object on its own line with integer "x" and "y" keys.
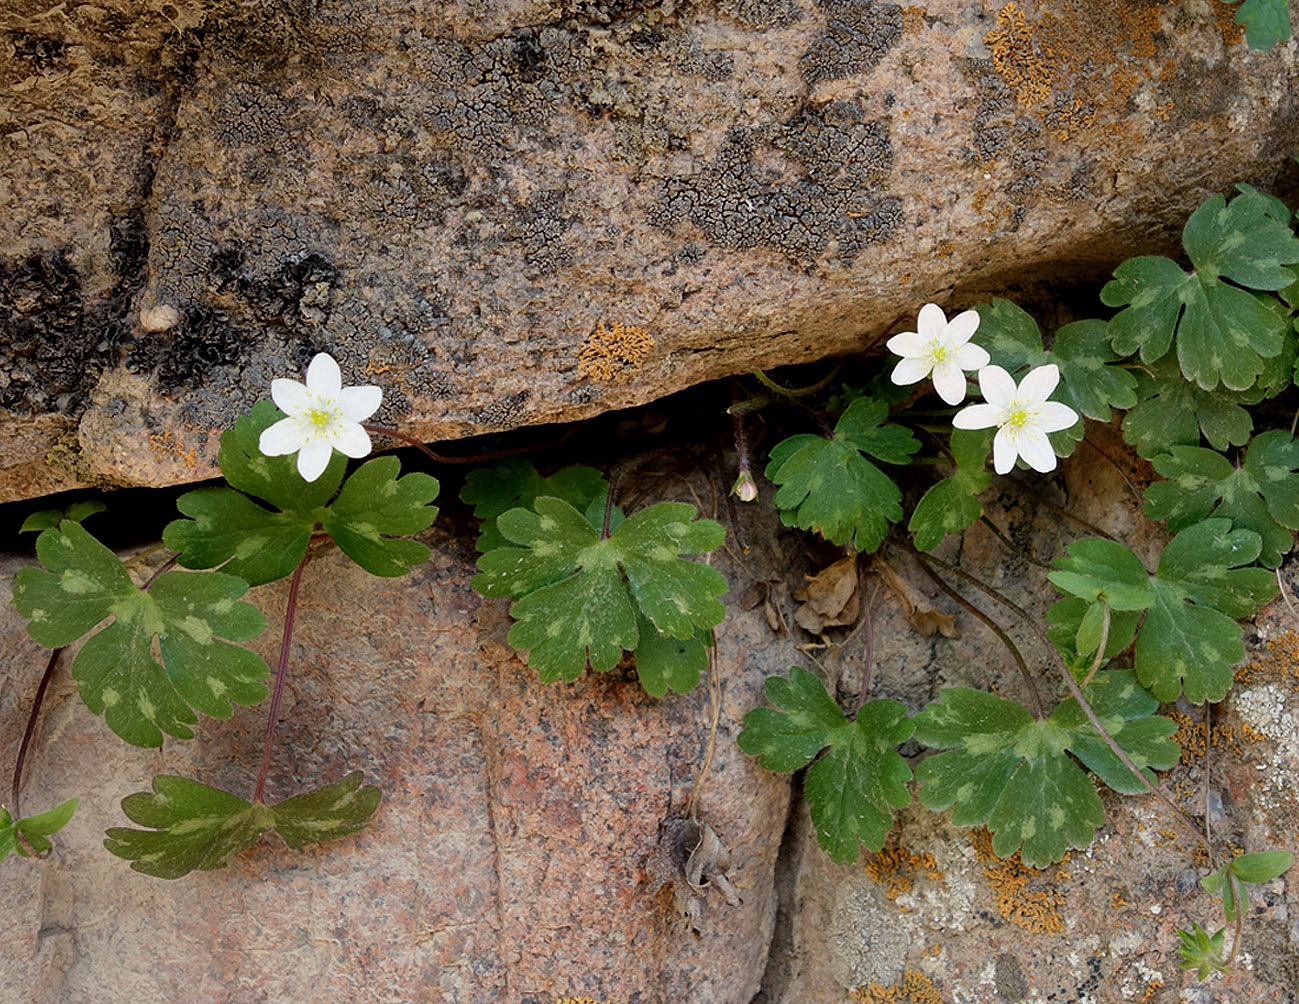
{"x": 1023, "y": 416}
{"x": 940, "y": 347}
{"x": 323, "y": 416}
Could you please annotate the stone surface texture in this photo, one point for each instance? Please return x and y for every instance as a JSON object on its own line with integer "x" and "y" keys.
{"x": 510, "y": 212}
{"x": 508, "y": 860}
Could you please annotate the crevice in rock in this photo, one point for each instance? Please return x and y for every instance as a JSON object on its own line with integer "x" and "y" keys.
{"x": 793, "y": 842}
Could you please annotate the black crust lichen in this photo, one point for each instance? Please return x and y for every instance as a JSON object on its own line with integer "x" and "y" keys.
{"x": 843, "y": 159}
{"x": 46, "y": 360}
{"x": 857, "y": 35}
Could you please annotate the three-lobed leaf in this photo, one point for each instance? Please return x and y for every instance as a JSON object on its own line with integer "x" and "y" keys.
{"x": 1015, "y": 774}
{"x": 1174, "y": 411}
{"x": 1224, "y": 333}
{"x": 578, "y": 597}
{"x": 852, "y": 790}
{"x": 1190, "y": 638}
{"x": 368, "y": 518}
{"x": 827, "y": 485}
{"x": 1262, "y": 494}
{"x": 192, "y": 826}
{"x": 1267, "y": 22}
{"x": 192, "y": 619}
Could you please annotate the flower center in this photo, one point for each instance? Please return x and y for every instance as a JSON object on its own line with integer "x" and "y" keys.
{"x": 320, "y": 418}
{"x": 939, "y": 353}
{"x": 1018, "y": 417}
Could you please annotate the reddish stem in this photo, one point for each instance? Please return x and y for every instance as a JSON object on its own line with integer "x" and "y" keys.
{"x": 31, "y": 727}
{"x": 281, "y": 671}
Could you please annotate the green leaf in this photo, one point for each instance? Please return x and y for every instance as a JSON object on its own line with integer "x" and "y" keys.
{"x": 185, "y": 615}
{"x": 1090, "y": 383}
{"x": 1262, "y": 866}
{"x": 261, "y": 545}
{"x": 1267, "y": 22}
{"x": 195, "y": 827}
{"x": 579, "y": 597}
{"x": 1175, "y": 411}
{"x": 35, "y": 829}
{"x": 1014, "y": 774}
{"x": 852, "y": 790}
{"x": 48, "y": 518}
{"x": 664, "y": 663}
{"x": 828, "y": 486}
{"x": 1075, "y": 631}
{"x": 1261, "y": 495}
{"x": 1097, "y": 570}
{"x": 952, "y": 504}
{"x": 374, "y": 508}
{"x": 515, "y": 483}
{"x": 1202, "y": 951}
{"x": 1190, "y": 639}
{"x": 1223, "y": 331}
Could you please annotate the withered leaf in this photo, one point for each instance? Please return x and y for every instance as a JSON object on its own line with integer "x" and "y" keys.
{"x": 830, "y": 598}
{"x": 692, "y": 858}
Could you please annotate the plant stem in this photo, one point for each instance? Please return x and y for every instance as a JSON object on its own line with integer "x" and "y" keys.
{"x": 31, "y": 728}
{"x": 771, "y": 384}
{"x": 1074, "y": 691}
{"x": 1010, "y": 545}
{"x": 290, "y": 611}
{"x": 869, "y": 628}
{"x": 1100, "y": 649}
{"x": 995, "y": 628}
{"x": 715, "y": 705}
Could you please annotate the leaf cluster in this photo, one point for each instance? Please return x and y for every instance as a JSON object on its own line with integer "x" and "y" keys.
{"x": 1188, "y": 639}
{"x": 260, "y": 526}
{"x": 1020, "y": 776}
{"x": 191, "y": 826}
{"x": 581, "y": 598}
{"x": 828, "y": 485}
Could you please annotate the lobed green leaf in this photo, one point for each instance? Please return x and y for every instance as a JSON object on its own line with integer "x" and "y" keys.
{"x": 192, "y": 826}
{"x": 186, "y": 616}
{"x": 852, "y": 790}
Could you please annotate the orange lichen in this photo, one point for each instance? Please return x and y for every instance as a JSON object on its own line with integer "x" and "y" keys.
{"x": 168, "y": 444}
{"x": 914, "y": 988}
{"x": 896, "y": 869}
{"x": 614, "y": 352}
{"x": 1225, "y": 15}
{"x": 1152, "y": 988}
{"x": 913, "y": 20}
{"x": 1278, "y": 662}
{"x": 1017, "y": 57}
{"x": 1075, "y": 60}
{"x": 1035, "y": 910}
{"x": 1228, "y": 736}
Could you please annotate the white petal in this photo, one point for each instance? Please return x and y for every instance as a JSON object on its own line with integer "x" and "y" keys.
{"x": 908, "y": 344}
{"x": 932, "y": 321}
{"x": 324, "y": 378}
{"x": 1036, "y": 450}
{"x": 289, "y": 396}
{"x": 961, "y": 328}
{"x": 1039, "y": 383}
{"x": 359, "y": 403}
{"x": 284, "y": 437}
{"x": 1055, "y": 416}
{"x": 972, "y": 357}
{"x": 314, "y": 458}
{"x": 996, "y": 385}
{"x": 1003, "y": 451}
{"x": 910, "y": 371}
{"x": 977, "y": 416}
{"x": 949, "y": 381}
{"x": 352, "y": 440}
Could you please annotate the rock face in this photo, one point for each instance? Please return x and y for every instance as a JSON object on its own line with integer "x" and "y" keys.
{"x": 518, "y": 211}
{"x": 511, "y": 858}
